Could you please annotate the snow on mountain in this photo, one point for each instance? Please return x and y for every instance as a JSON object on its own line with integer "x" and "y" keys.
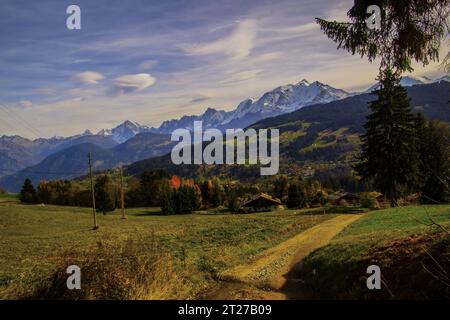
{"x": 211, "y": 118}
{"x": 408, "y": 81}
{"x": 288, "y": 98}
{"x": 281, "y": 100}
{"x": 87, "y": 132}
{"x": 444, "y": 78}
{"x": 124, "y": 131}
{"x": 127, "y": 130}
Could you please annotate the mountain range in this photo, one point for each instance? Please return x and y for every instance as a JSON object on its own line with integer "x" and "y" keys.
{"x": 130, "y": 142}
{"x": 17, "y": 153}
{"x": 408, "y": 81}
{"x": 317, "y": 138}
{"x": 280, "y": 100}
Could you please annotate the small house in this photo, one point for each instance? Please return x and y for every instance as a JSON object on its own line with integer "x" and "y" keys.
{"x": 350, "y": 198}
{"x": 260, "y": 203}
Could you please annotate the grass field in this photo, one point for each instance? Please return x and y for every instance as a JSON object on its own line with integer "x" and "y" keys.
{"x": 411, "y": 245}
{"x": 8, "y": 197}
{"x": 32, "y": 237}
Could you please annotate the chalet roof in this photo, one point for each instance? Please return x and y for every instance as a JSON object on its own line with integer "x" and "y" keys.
{"x": 342, "y": 195}
{"x": 264, "y": 196}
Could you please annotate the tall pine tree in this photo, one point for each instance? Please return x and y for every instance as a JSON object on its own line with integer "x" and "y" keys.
{"x": 410, "y": 30}
{"x": 28, "y": 193}
{"x": 434, "y": 149}
{"x": 389, "y": 158}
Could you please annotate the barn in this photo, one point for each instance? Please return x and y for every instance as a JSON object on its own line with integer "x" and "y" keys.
{"x": 260, "y": 203}
{"x": 348, "y": 197}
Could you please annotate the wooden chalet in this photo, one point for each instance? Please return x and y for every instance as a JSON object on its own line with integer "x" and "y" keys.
{"x": 260, "y": 203}
{"x": 348, "y": 197}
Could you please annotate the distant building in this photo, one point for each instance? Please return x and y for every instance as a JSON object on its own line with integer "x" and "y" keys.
{"x": 348, "y": 197}
{"x": 260, "y": 203}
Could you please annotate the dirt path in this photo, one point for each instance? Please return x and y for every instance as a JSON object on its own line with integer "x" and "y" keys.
{"x": 271, "y": 275}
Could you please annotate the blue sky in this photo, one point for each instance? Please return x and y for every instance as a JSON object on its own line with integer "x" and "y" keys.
{"x": 150, "y": 61}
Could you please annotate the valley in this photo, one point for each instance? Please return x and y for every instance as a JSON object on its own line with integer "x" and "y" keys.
{"x": 311, "y": 137}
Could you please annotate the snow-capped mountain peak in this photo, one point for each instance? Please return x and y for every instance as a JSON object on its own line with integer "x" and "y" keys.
{"x": 411, "y": 80}
{"x": 280, "y": 100}
{"x": 124, "y": 131}
{"x": 444, "y": 78}
{"x": 87, "y": 132}
{"x": 303, "y": 82}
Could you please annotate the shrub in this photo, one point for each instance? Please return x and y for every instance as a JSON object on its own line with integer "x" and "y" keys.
{"x": 126, "y": 270}
{"x": 369, "y": 201}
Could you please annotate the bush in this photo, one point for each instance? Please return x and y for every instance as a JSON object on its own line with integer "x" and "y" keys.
{"x": 128, "y": 270}
{"x": 369, "y": 201}
{"x": 232, "y": 200}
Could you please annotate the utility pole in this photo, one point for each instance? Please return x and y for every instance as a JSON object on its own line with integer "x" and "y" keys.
{"x": 121, "y": 194}
{"x": 93, "y": 194}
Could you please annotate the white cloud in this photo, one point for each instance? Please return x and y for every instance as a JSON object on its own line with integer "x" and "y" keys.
{"x": 237, "y": 45}
{"x": 89, "y": 77}
{"x": 133, "y": 82}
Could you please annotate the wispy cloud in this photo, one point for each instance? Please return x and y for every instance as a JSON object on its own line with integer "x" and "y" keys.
{"x": 89, "y": 77}
{"x": 133, "y": 82}
{"x": 164, "y": 59}
{"x": 238, "y": 44}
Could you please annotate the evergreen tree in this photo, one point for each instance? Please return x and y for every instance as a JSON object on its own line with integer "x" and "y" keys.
{"x": 232, "y": 199}
{"x": 389, "y": 158}
{"x": 104, "y": 194}
{"x": 28, "y": 193}
{"x": 196, "y": 197}
{"x": 151, "y": 187}
{"x": 206, "y": 192}
{"x": 216, "y": 196}
{"x": 280, "y": 187}
{"x": 435, "y": 161}
{"x": 409, "y": 30}
{"x": 167, "y": 201}
{"x": 186, "y": 199}
{"x": 295, "y": 199}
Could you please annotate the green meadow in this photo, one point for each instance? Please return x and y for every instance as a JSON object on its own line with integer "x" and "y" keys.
{"x": 200, "y": 245}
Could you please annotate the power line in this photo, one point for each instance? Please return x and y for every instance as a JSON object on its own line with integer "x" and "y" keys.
{"x": 18, "y": 116}
{"x": 8, "y": 125}
{"x": 25, "y": 124}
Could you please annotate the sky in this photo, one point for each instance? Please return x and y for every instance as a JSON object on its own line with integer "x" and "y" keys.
{"x": 151, "y": 60}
